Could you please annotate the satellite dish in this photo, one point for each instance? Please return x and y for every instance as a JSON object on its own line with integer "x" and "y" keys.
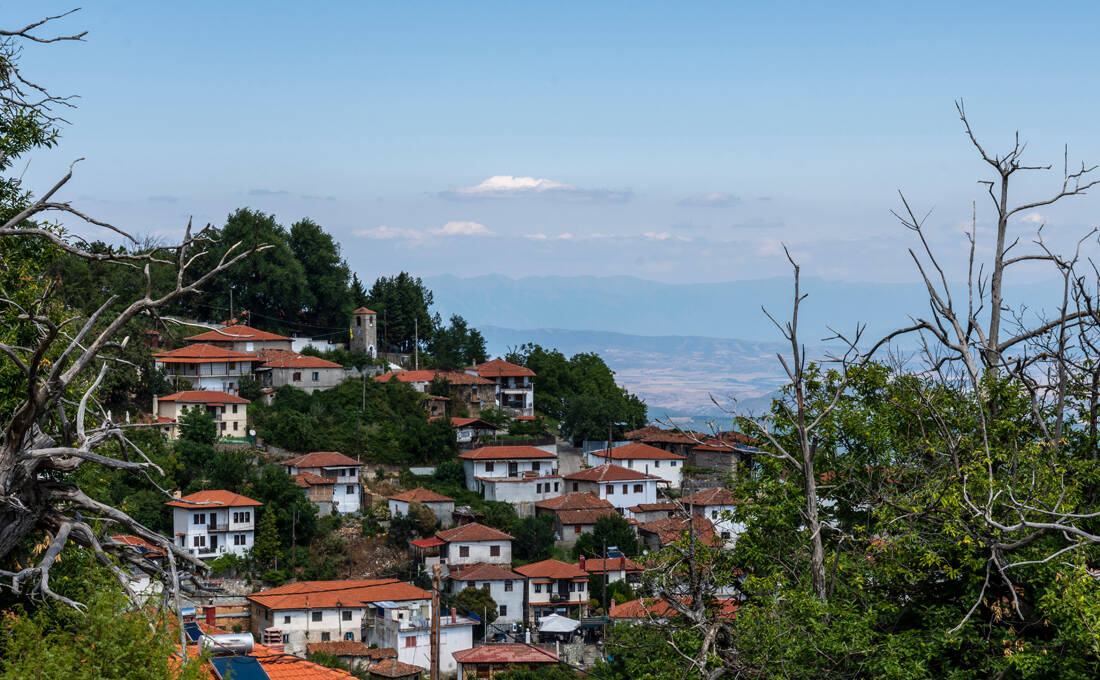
{"x": 252, "y": 433}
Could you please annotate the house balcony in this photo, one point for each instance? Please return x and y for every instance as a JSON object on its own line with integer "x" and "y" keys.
{"x": 212, "y": 528}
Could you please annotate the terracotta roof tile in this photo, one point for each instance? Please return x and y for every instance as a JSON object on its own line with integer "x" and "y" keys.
{"x": 202, "y": 354}
{"x": 204, "y": 397}
{"x": 600, "y": 565}
{"x": 472, "y": 532}
{"x": 214, "y": 498}
{"x": 506, "y": 453}
{"x": 421, "y": 495}
{"x": 551, "y": 569}
{"x": 321, "y": 459}
{"x": 495, "y": 368}
{"x": 350, "y": 648}
{"x": 669, "y": 529}
{"x": 467, "y": 422}
{"x": 577, "y": 500}
{"x": 139, "y": 542}
{"x": 364, "y": 310}
{"x": 281, "y": 358}
{"x": 654, "y": 507}
{"x": 453, "y": 377}
{"x": 718, "y": 496}
{"x": 236, "y": 333}
{"x": 638, "y": 451}
{"x": 584, "y": 517}
{"x": 609, "y": 472}
{"x": 328, "y": 594}
{"x": 392, "y": 668}
{"x": 506, "y": 653}
{"x": 482, "y": 571}
{"x": 305, "y": 480}
{"x": 644, "y": 608}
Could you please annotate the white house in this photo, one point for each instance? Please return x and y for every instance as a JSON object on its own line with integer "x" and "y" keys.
{"x": 382, "y": 612}
{"x": 205, "y": 367}
{"x": 469, "y": 429}
{"x": 473, "y": 543}
{"x": 241, "y": 338}
{"x": 555, "y": 587}
{"x": 619, "y": 568}
{"x": 644, "y": 458}
{"x": 717, "y": 505}
{"x": 504, "y": 585}
{"x": 335, "y": 467}
{"x": 515, "y": 385}
{"x": 214, "y": 523}
{"x": 229, "y": 411}
{"x": 522, "y": 492}
{"x": 442, "y": 506}
{"x": 498, "y": 462}
{"x": 622, "y": 487}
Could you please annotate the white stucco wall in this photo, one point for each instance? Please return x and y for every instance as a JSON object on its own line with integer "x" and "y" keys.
{"x": 479, "y": 551}
{"x": 619, "y": 498}
{"x": 185, "y": 528}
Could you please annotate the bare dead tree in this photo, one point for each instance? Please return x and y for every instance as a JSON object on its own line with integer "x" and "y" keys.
{"x": 58, "y": 426}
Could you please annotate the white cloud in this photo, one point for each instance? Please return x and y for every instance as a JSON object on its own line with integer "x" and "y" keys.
{"x": 1034, "y": 218}
{"x": 384, "y": 233}
{"x": 462, "y": 228}
{"x": 511, "y": 186}
{"x": 716, "y": 199}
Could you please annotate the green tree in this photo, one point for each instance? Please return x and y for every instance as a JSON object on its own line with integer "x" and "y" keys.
{"x": 450, "y": 472}
{"x": 477, "y": 601}
{"x": 295, "y": 516}
{"x": 533, "y": 538}
{"x": 325, "y": 272}
{"x": 609, "y": 530}
{"x": 249, "y": 388}
{"x": 541, "y": 672}
{"x": 500, "y": 515}
{"x": 195, "y": 446}
{"x": 403, "y": 306}
{"x": 456, "y": 346}
{"x": 266, "y": 547}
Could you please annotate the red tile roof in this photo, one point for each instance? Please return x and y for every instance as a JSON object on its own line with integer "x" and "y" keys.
{"x": 472, "y": 532}
{"x": 499, "y": 368}
{"x": 426, "y": 376}
{"x": 350, "y": 648}
{"x": 215, "y": 498}
{"x": 643, "y": 608}
{"x": 506, "y": 453}
{"x": 392, "y": 668}
{"x": 638, "y": 451}
{"x": 707, "y": 497}
{"x": 322, "y": 459}
{"x": 286, "y": 667}
{"x": 482, "y": 571}
{"x": 281, "y": 358}
{"x": 506, "y": 653}
{"x": 551, "y": 569}
{"x": 653, "y": 507}
{"x": 421, "y": 495}
{"x": 577, "y": 500}
{"x": 430, "y": 542}
{"x": 329, "y": 594}
{"x": 204, "y": 397}
{"x": 138, "y": 542}
{"x": 669, "y": 529}
{"x": 584, "y": 517}
{"x": 239, "y": 332}
{"x": 305, "y": 480}
{"x": 202, "y": 354}
{"x": 478, "y": 422}
{"x": 363, "y": 310}
{"x": 609, "y": 472}
{"x": 600, "y": 565}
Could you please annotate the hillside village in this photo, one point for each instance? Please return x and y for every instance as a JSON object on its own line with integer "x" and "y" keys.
{"x": 531, "y": 543}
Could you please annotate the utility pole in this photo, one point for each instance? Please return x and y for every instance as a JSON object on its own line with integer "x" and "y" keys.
{"x": 434, "y": 671}
{"x": 230, "y": 303}
{"x": 606, "y": 611}
{"x": 416, "y": 344}
{"x": 294, "y": 537}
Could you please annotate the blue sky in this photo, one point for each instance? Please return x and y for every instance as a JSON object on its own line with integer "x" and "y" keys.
{"x": 680, "y": 142}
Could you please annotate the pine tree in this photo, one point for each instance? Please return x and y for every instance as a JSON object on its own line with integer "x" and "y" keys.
{"x": 266, "y": 548}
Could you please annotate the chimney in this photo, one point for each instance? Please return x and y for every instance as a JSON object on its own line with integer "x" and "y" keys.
{"x": 452, "y": 615}
{"x": 581, "y": 563}
{"x": 211, "y": 612}
{"x": 622, "y": 562}
{"x": 177, "y": 494}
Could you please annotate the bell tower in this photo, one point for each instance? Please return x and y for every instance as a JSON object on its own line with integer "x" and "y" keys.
{"x": 364, "y": 332}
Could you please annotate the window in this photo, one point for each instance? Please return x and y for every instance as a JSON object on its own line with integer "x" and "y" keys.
{"x": 464, "y": 551}
{"x": 504, "y": 610}
{"x": 346, "y": 615}
{"x": 572, "y": 587}
{"x": 494, "y": 550}
{"x": 507, "y": 586}
{"x": 223, "y": 426}
{"x": 610, "y": 489}
{"x": 316, "y": 376}
{"x": 575, "y": 486}
{"x": 198, "y": 541}
{"x": 488, "y": 467}
{"x": 714, "y": 514}
{"x": 239, "y": 539}
{"x": 637, "y": 488}
{"x": 325, "y": 637}
{"x": 358, "y": 321}
{"x": 410, "y": 641}
{"x": 555, "y": 486}
{"x": 485, "y": 586}
{"x": 535, "y": 466}
{"x": 625, "y": 487}
{"x": 538, "y": 488}
{"x": 576, "y": 528}
{"x": 199, "y": 519}
{"x": 234, "y": 408}
{"x": 349, "y": 636}
{"x": 316, "y": 616}
{"x": 286, "y": 638}
{"x": 672, "y": 464}
{"x": 286, "y": 619}
{"x": 232, "y": 365}
{"x": 656, "y": 463}
{"x": 538, "y": 587}
{"x": 580, "y": 587}
{"x": 235, "y": 424}
{"x": 471, "y": 584}
{"x": 296, "y": 376}
{"x": 726, "y": 535}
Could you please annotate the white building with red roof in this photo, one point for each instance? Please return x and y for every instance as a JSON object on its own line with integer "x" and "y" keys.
{"x": 620, "y": 486}
{"x": 205, "y": 367}
{"x": 506, "y": 462}
{"x": 307, "y": 373}
{"x": 649, "y": 459}
{"x": 441, "y": 505}
{"x": 473, "y": 543}
{"x": 229, "y": 411}
{"x": 241, "y": 338}
{"x": 620, "y": 568}
{"x": 554, "y": 587}
{"x": 504, "y": 585}
{"x": 212, "y": 523}
{"x": 574, "y": 514}
{"x": 487, "y": 661}
{"x": 382, "y": 612}
{"x": 515, "y": 385}
{"x": 472, "y": 391}
{"x": 337, "y": 471}
{"x": 717, "y": 505}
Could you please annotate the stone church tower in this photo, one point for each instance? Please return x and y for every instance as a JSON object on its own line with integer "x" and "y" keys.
{"x": 364, "y": 332}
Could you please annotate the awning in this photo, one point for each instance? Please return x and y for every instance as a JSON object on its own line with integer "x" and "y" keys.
{"x": 431, "y": 542}
{"x": 555, "y": 623}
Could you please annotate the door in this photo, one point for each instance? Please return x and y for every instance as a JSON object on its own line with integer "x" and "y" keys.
{"x": 513, "y": 469}
{"x": 213, "y": 543}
